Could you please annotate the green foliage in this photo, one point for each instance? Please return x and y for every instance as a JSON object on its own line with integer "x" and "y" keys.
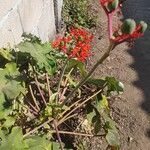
{"x": 5, "y": 53}
{"x": 29, "y": 97}
{"x": 76, "y": 12}
{"x": 73, "y": 63}
{"x": 40, "y": 54}
{"x": 10, "y": 88}
{"x": 114, "y": 85}
{"x": 37, "y": 142}
{"x": 13, "y": 141}
{"x": 101, "y": 110}
{"x": 41, "y": 101}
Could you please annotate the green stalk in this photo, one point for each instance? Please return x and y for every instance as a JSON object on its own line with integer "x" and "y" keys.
{"x": 100, "y": 61}
{"x": 61, "y": 77}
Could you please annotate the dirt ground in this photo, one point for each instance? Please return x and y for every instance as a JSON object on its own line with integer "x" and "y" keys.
{"x": 131, "y": 109}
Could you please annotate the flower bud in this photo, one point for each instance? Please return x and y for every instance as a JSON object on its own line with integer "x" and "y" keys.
{"x": 128, "y": 26}
{"x": 113, "y": 5}
{"x": 144, "y": 26}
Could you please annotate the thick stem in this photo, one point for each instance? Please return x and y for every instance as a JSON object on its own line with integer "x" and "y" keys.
{"x": 100, "y": 61}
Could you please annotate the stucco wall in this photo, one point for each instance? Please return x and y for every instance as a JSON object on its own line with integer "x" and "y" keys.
{"x": 32, "y": 16}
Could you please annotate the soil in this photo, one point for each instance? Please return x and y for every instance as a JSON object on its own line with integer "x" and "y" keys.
{"x": 131, "y": 66}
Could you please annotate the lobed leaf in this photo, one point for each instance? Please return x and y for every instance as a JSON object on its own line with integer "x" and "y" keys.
{"x": 40, "y": 54}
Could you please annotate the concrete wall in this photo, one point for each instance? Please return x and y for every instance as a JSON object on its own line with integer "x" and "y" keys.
{"x": 39, "y": 17}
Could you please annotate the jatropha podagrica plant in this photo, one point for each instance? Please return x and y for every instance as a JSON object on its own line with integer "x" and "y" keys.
{"x": 34, "y": 103}
{"x": 128, "y": 31}
{"x": 76, "y": 45}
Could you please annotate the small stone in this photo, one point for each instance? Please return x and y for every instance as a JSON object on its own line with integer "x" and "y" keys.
{"x": 130, "y": 139}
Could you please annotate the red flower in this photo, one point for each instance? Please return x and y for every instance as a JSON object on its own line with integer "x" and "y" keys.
{"x": 57, "y": 42}
{"x": 76, "y": 44}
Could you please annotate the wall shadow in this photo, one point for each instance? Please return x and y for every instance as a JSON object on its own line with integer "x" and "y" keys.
{"x": 140, "y": 10}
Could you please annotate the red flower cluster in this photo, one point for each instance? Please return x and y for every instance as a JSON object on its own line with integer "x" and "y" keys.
{"x": 76, "y": 44}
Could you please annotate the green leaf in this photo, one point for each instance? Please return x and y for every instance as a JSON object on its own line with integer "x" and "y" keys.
{"x": 13, "y": 141}
{"x": 102, "y": 104}
{"x": 40, "y": 53}
{"x": 9, "y": 121}
{"x": 10, "y": 88}
{"x": 97, "y": 82}
{"x": 90, "y": 116}
{"x": 38, "y": 143}
{"x": 48, "y": 110}
{"x": 11, "y": 68}
{"x": 73, "y": 63}
{"x": 5, "y": 108}
{"x": 112, "y": 135}
{"x": 55, "y": 146}
{"x": 53, "y": 97}
{"x": 114, "y": 85}
{"x": 71, "y": 80}
{"x": 97, "y": 125}
{"x": 93, "y": 118}
{"x": 6, "y": 54}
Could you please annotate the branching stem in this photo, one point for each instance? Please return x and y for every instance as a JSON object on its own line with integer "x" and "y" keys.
{"x": 58, "y": 135}
{"x": 37, "y": 128}
{"x": 78, "y": 106}
{"x": 33, "y": 97}
{"x": 48, "y": 85}
{"x": 76, "y": 133}
{"x": 100, "y": 61}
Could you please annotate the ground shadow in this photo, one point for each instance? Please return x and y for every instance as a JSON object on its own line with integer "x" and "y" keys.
{"x": 140, "y": 10}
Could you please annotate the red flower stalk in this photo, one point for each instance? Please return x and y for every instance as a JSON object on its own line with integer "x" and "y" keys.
{"x": 76, "y": 44}
{"x": 110, "y": 7}
{"x": 103, "y": 2}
